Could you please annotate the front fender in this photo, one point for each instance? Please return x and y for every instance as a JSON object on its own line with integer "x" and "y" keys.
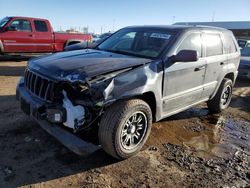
{"x": 134, "y": 83}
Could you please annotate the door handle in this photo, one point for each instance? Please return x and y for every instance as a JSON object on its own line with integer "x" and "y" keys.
{"x": 30, "y": 35}
{"x": 221, "y": 63}
{"x": 199, "y": 68}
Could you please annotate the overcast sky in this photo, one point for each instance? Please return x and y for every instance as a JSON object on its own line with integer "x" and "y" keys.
{"x": 114, "y": 14}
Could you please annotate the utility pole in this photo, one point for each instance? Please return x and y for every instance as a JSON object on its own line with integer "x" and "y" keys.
{"x": 173, "y": 20}
{"x": 213, "y": 15}
{"x": 113, "y": 28}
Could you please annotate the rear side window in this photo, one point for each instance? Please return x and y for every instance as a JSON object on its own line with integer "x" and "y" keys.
{"x": 229, "y": 45}
{"x": 40, "y": 26}
{"x": 213, "y": 44}
{"x": 191, "y": 42}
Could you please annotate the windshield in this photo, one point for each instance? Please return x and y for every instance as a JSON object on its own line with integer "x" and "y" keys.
{"x": 4, "y": 21}
{"x": 139, "y": 42}
{"x": 245, "y": 51}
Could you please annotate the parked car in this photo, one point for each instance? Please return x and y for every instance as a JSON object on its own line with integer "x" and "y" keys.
{"x": 137, "y": 76}
{"x": 23, "y": 34}
{"x": 83, "y": 45}
{"x": 243, "y": 43}
{"x": 101, "y": 37}
{"x": 244, "y": 68}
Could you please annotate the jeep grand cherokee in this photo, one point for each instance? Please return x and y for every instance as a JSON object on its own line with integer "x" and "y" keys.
{"x": 137, "y": 76}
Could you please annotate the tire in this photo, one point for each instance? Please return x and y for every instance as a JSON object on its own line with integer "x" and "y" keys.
{"x": 222, "y": 98}
{"x": 133, "y": 119}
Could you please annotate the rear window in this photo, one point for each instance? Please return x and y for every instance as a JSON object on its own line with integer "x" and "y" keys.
{"x": 229, "y": 45}
{"x": 40, "y": 26}
{"x": 213, "y": 44}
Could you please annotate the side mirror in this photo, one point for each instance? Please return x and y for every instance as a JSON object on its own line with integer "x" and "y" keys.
{"x": 186, "y": 56}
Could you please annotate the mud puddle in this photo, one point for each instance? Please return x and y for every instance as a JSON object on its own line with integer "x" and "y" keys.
{"x": 203, "y": 145}
{"x": 208, "y": 135}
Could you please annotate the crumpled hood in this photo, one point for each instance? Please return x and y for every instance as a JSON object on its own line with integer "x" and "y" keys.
{"x": 83, "y": 63}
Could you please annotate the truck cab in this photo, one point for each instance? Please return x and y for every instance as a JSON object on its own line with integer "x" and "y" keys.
{"x": 34, "y": 35}
{"x": 20, "y": 34}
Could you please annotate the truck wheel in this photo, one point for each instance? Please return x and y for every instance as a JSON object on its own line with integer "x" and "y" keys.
{"x": 222, "y": 98}
{"x": 125, "y": 127}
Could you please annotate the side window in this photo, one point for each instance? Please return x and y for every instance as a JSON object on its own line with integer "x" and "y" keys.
{"x": 40, "y": 26}
{"x": 21, "y": 25}
{"x": 213, "y": 44}
{"x": 229, "y": 45}
{"x": 191, "y": 42}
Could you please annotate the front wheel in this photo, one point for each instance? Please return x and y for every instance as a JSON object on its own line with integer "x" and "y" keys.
{"x": 125, "y": 127}
{"x": 222, "y": 98}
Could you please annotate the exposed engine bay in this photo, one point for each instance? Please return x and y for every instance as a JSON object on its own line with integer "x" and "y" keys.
{"x": 81, "y": 103}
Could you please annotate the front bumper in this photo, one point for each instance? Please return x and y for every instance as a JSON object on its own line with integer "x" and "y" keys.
{"x": 31, "y": 106}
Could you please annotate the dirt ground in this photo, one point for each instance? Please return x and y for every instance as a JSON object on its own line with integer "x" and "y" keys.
{"x": 190, "y": 149}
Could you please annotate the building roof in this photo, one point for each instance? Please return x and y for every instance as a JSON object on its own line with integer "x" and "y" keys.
{"x": 227, "y": 25}
{"x": 179, "y": 27}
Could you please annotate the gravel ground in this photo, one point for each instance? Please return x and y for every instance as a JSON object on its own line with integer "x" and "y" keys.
{"x": 190, "y": 149}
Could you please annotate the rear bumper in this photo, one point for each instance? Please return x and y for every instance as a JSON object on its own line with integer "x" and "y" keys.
{"x": 31, "y": 106}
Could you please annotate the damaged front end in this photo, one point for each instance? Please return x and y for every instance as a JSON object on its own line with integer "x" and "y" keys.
{"x": 69, "y": 105}
{"x": 71, "y": 101}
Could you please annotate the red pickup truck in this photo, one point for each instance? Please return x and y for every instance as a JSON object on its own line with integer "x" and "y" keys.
{"x": 35, "y": 35}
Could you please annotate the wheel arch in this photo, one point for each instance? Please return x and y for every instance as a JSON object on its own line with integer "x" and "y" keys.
{"x": 72, "y": 41}
{"x": 148, "y": 97}
{"x": 230, "y": 76}
{"x": 1, "y": 47}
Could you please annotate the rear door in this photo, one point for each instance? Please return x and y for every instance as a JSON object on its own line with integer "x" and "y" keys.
{"x": 19, "y": 37}
{"x": 183, "y": 81}
{"x": 43, "y": 36}
{"x": 216, "y": 62}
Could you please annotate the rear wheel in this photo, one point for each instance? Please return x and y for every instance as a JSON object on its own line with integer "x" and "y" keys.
{"x": 125, "y": 127}
{"x": 222, "y": 98}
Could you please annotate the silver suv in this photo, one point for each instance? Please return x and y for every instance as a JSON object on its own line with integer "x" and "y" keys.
{"x": 137, "y": 76}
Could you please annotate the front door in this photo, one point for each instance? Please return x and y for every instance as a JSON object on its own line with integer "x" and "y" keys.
{"x": 19, "y": 37}
{"x": 183, "y": 81}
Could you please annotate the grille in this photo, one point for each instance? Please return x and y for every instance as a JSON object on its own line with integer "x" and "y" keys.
{"x": 38, "y": 85}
